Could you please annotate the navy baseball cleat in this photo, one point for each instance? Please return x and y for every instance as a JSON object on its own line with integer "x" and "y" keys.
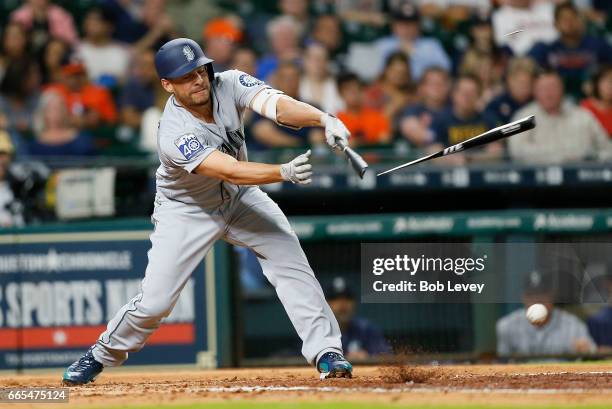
{"x": 333, "y": 365}
{"x": 82, "y": 371}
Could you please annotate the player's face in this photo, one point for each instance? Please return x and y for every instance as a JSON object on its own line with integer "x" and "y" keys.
{"x": 192, "y": 89}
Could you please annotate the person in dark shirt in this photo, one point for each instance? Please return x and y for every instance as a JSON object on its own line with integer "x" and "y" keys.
{"x": 360, "y": 338}
{"x": 518, "y": 92}
{"x": 575, "y": 54}
{"x": 600, "y": 324}
{"x": 433, "y": 92}
{"x": 464, "y": 120}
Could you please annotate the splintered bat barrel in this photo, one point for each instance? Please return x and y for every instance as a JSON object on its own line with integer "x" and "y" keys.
{"x": 492, "y": 135}
{"x": 359, "y": 164}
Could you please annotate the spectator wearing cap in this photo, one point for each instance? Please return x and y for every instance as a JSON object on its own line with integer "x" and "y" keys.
{"x": 367, "y": 126}
{"x": 575, "y": 55}
{"x": 19, "y": 93}
{"x": 518, "y": 91}
{"x": 284, "y": 36}
{"x": 560, "y": 333}
{"x": 45, "y": 20}
{"x": 221, "y": 36}
{"x": 106, "y": 60}
{"x": 463, "y": 120}
{"x": 415, "y": 121}
{"x": 53, "y": 134}
{"x": 423, "y": 52}
{"x": 10, "y": 215}
{"x": 360, "y": 337}
{"x": 600, "y": 104}
{"x": 317, "y": 85}
{"x": 535, "y": 19}
{"x": 89, "y": 105}
{"x": 565, "y": 132}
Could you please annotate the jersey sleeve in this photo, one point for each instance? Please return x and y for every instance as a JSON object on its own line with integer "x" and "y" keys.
{"x": 186, "y": 151}
{"x": 245, "y": 87}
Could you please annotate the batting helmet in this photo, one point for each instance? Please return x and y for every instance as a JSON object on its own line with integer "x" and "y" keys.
{"x": 180, "y": 56}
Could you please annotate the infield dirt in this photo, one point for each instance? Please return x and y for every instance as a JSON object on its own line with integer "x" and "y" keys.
{"x": 556, "y": 385}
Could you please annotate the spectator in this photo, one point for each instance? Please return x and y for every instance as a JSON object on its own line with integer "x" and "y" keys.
{"x": 565, "y": 132}
{"x": 415, "y": 121}
{"x": 245, "y": 60}
{"x": 423, "y": 52}
{"x": 561, "y": 332}
{"x": 463, "y": 120}
{"x": 360, "y": 337}
{"x": 284, "y": 36}
{"x": 44, "y": 21}
{"x": 54, "y": 135}
{"x": 452, "y": 10}
{"x": 107, "y": 61}
{"x": 15, "y": 45}
{"x": 327, "y": 31}
{"x": 51, "y": 58}
{"x": 600, "y": 105}
{"x": 536, "y": 19}
{"x": 10, "y": 214}
{"x": 298, "y": 11}
{"x": 89, "y": 105}
{"x": 363, "y": 20}
{"x": 574, "y": 55}
{"x": 142, "y": 101}
{"x": 19, "y": 94}
{"x": 600, "y": 324}
{"x": 155, "y": 26}
{"x": 268, "y": 134}
{"x": 317, "y": 86}
{"x": 366, "y": 125}
{"x": 221, "y": 36}
{"x": 482, "y": 65}
{"x": 518, "y": 92}
{"x": 393, "y": 90}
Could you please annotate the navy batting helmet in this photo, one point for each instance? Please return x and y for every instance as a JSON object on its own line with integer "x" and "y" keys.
{"x": 179, "y": 57}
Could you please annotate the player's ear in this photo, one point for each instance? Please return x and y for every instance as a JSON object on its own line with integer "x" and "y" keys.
{"x": 167, "y": 85}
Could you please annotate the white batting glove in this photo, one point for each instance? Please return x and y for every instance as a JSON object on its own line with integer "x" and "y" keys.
{"x": 298, "y": 170}
{"x": 334, "y": 129}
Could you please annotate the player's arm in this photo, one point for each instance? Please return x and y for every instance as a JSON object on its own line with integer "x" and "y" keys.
{"x": 289, "y": 112}
{"x": 225, "y": 167}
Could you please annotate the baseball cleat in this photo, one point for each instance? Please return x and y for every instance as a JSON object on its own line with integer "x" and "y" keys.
{"x": 82, "y": 371}
{"x": 334, "y": 365}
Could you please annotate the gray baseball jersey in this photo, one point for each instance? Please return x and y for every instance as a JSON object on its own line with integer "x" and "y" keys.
{"x": 192, "y": 212}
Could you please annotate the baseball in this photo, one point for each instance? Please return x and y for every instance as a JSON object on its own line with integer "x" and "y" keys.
{"x": 537, "y": 313}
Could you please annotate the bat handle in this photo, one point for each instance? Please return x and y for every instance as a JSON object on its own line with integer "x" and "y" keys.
{"x": 359, "y": 164}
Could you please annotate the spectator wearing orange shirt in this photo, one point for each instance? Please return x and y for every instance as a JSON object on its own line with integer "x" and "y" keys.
{"x": 368, "y": 126}
{"x": 89, "y": 105}
{"x": 600, "y": 105}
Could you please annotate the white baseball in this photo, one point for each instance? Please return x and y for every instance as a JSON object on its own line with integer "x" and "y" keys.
{"x": 537, "y": 313}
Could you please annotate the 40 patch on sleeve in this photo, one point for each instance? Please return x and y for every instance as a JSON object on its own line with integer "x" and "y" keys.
{"x": 189, "y": 145}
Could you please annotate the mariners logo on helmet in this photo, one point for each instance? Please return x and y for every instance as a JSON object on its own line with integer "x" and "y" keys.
{"x": 188, "y": 53}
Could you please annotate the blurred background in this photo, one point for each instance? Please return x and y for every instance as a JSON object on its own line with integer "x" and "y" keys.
{"x": 79, "y": 106}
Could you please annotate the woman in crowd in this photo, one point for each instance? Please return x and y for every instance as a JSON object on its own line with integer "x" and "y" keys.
{"x": 600, "y": 105}
{"x": 317, "y": 85}
{"x": 54, "y": 136}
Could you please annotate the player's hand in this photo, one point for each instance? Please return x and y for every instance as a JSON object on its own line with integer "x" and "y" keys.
{"x": 334, "y": 129}
{"x": 298, "y": 170}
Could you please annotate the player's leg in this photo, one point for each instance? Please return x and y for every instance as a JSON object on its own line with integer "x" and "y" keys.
{"x": 257, "y": 222}
{"x": 182, "y": 236}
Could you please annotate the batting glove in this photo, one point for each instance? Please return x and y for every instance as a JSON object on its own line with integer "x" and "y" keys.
{"x": 298, "y": 170}
{"x": 334, "y": 130}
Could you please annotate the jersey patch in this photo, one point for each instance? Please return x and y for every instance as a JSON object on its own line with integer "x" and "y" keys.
{"x": 249, "y": 81}
{"x": 189, "y": 145}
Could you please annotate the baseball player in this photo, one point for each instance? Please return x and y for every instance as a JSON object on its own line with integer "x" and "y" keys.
{"x": 206, "y": 191}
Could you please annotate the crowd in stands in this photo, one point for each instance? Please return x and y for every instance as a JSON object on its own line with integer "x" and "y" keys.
{"x": 77, "y": 78}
